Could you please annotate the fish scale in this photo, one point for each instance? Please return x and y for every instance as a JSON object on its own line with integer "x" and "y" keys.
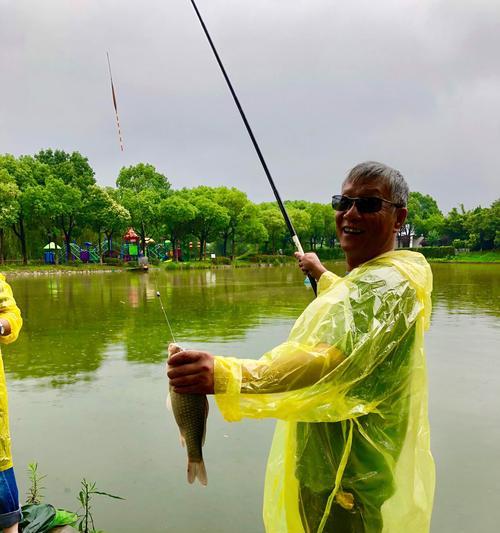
{"x": 190, "y": 415}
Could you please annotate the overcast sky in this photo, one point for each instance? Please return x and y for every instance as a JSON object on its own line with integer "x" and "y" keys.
{"x": 325, "y": 84}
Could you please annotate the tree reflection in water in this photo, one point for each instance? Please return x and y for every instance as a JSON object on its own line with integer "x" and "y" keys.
{"x": 74, "y": 322}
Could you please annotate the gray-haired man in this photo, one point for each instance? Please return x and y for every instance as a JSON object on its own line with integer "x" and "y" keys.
{"x": 351, "y": 449}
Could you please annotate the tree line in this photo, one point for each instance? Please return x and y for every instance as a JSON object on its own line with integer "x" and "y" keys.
{"x": 53, "y": 196}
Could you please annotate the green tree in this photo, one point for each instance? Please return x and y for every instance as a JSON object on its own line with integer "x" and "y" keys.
{"x": 36, "y": 202}
{"x": 210, "y": 218}
{"x": 454, "y": 226}
{"x": 144, "y": 211}
{"x": 141, "y": 177}
{"x": 64, "y": 207}
{"x": 9, "y": 206}
{"x": 272, "y": 219}
{"x": 234, "y": 201}
{"x": 27, "y": 172}
{"x": 105, "y": 215}
{"x": 423, "y": 215}
{"x": 117, "y": 221}
{"x": 250, "y": 228}
{"x": 67, "y": 190}
{"x": 322, "y": 227}
{"x": 483, "y": 223}
{"x": 141, "y": 190}
{"x": 301, "y": 221}
{"x": 178, "y": 215}
{"x": 72, "y": 169}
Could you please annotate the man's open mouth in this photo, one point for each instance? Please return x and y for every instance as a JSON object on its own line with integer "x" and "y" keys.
{"x": 350, "y": 230}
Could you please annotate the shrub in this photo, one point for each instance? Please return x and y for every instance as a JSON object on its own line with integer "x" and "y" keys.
{"x": 113, "y": 261}
{"x": 496, "y": 243}
{"x": 473, "y": 241}
{"x": 270, "y": 259}
{"x": 435, "y": 251}
{"x": 330, "y": 253}
{"x": 221, "y": 260}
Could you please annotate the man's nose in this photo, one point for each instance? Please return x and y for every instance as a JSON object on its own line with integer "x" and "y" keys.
{"x": 352, "y": 212}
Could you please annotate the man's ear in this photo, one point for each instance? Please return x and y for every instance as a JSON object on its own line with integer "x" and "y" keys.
{"x": 401, "y": 215}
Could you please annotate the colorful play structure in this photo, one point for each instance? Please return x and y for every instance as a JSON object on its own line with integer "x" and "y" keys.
{"x": 130, "y": 250}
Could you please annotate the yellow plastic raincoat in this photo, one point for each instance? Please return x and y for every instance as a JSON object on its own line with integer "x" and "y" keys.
{"x": 351, "y": 449}
{"x": 10, "y": 312}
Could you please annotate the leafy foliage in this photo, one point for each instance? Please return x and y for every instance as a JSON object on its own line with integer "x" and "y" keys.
{"x": 85, "y": 497}
{"x": 53, "y": 196}
{"x": 35, "y": 494}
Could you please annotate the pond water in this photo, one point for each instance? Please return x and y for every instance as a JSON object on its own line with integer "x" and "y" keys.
{"x": 87, "y": 393}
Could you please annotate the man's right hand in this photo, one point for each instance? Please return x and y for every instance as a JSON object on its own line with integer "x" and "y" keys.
{"x": 310, "y": 264}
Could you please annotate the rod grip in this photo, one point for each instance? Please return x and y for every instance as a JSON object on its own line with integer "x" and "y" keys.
{"x": 314, "y": 285}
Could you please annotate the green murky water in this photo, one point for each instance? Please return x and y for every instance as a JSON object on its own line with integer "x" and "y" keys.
{"x": 87, "y": 393}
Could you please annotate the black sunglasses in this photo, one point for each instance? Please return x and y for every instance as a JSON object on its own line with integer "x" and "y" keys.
{"x": 367, "y": 204}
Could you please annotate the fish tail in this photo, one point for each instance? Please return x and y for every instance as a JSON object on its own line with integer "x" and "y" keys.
{"x": 197, "y": 470}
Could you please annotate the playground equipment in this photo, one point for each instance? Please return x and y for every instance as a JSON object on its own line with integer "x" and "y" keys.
{"x": 130, "y": 246}
{"x": 159, "y": 251}
{"x": 87, "y": 255}
{"x": 106, "y": 249}
{"x": 49, "y": 253}
{"x": 53, "y": 251}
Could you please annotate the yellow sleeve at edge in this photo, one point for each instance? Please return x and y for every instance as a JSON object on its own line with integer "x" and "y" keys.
{"x": 9, "y": 311}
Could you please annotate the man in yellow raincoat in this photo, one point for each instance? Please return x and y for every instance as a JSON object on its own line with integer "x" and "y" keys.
{"x": 10, "y": 324}
{"x": 351, "y": 450}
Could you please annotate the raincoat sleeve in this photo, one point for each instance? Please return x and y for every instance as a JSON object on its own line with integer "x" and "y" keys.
{"x": 340, "y": 360}
{"x": 9, "y": 311}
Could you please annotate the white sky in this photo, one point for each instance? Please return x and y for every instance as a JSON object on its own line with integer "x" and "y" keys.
{"x": 325, "y": 84}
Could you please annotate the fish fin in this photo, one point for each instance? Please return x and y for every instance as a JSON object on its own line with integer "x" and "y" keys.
{"x": 168, "y": 402}
{"x": 197, "y": 471}
{"x": 205, "y": 428}
{"x": 183, "y": 440}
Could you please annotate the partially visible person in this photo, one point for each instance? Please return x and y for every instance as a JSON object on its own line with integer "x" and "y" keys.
{"x": 10, "y": 325}
{"x": 351, "y": 451}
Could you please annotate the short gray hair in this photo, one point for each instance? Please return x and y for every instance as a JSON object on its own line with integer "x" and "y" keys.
{"x": 372, "y": 170}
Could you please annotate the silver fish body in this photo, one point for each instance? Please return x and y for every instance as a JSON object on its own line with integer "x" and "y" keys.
{"x": 190, "y": 413}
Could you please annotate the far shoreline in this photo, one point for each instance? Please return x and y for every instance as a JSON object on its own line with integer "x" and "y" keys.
{"x": 42, "y": 270}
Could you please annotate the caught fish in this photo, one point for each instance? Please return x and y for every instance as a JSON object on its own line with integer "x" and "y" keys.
{"x": 190, "y": 412}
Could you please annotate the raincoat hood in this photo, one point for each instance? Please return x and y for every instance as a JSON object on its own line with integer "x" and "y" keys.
{"x": 415, "y": 268}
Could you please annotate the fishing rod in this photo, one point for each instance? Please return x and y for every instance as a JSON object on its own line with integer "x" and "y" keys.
{"x": 288, "y": 222}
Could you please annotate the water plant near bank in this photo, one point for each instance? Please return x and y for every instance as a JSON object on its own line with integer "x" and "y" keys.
{"x": 41, "y": 517}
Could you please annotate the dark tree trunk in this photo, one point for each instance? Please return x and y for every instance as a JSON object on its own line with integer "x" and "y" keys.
{"x": 67, "y": 246}
{"x": 67, "y": 236}
{"x": 100, "y": 246}
{"x": 224, "y": 246}
{"x": 2, "y": 257}
{"x": 21, "y": 235}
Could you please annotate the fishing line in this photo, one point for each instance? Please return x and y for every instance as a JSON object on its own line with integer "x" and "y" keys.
{"x": 158, "y": 294}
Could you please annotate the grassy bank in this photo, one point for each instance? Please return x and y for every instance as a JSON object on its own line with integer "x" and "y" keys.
{"x": 490, "y": 256}
{"x": 41, "y": 269}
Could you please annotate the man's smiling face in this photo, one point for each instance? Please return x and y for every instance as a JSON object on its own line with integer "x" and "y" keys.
{"x": 363, "y": 236}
